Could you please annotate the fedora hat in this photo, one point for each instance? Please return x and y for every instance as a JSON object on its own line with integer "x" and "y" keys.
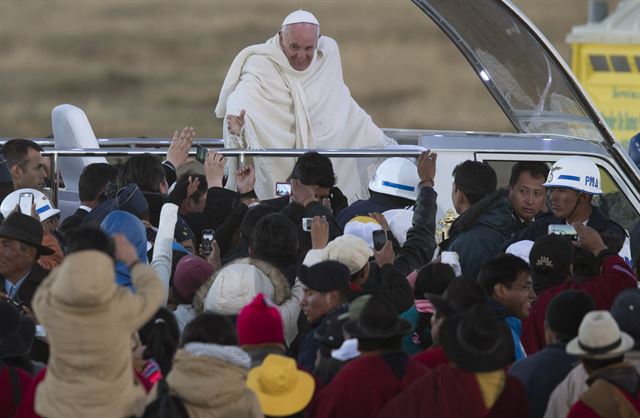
{"x": 599, "y": 337}
{"x": 16, "y": 331}
{"x": 476, "y": 341}
{"x": 25, "y": 229}
{"x": 281, "y": 388}
{"x": 378, "y": 320}
{"x": 461, "y": 294}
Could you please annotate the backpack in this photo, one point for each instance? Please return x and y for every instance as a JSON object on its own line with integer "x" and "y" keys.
{"x": 165, "y": 405}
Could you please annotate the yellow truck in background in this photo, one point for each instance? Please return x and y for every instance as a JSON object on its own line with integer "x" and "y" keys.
{"x": 606, "y": 60}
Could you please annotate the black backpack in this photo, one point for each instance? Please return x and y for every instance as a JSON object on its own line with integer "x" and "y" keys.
{"x": 165, "y": 405}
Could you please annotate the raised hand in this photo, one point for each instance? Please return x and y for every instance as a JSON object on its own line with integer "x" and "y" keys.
{"x": 235, "y": 123}
{"x": 178, "y": 153}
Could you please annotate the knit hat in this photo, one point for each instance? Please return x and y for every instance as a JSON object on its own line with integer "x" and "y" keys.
{"x": 281, "y": 388}
{"x": 565, "y": 312}
{"x": 400, "y": 221}
{"x": 234, "y": 287}
{"x": 191, "y": 272}
{"x": 325, "y": 276}
{"x": 362, "y": 227}
{"x": 551, "y": 255}
{"x": 349, "y": 250}
{"x": 260, "y": 323}
{"x": 626, "y": 312}
{"x": 599, "y": 337}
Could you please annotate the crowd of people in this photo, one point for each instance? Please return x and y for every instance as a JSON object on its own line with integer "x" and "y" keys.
{"x": 175, "y": 294}
{"x": 170, "y": 295}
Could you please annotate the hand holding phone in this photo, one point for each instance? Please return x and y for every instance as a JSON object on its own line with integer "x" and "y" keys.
{"x": 206, "y": 244}
{"x": 26, "y": 202}
{"x": 379, "y": 239}
{"x": 201, "y": 153}
{"x": 283, "y": 189}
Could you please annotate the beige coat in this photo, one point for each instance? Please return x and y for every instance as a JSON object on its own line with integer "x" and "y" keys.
{"x": 211, "y": 388}
{"x": 89, "y": 321}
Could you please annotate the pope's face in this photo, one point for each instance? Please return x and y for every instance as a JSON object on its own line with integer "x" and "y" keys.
{"x": 299, "y": 42}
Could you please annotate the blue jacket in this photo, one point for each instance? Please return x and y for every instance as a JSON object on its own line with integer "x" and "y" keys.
{"x": 309, "y": 345}
{"x": 125, "y": 223}
{"x": 479, "y": 232}
{"x": 541, "y": 372}
{"x": 378, "y": 202}
{"x": 514, "y": 324}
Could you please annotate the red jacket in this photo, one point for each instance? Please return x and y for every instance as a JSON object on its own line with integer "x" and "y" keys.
{"x": 432, "y": 357}
{"x": 616, "y": 276}
{"x": 450, "y": 392}
{"x": 7, "y": 406}
{"x": 365, "y": 385}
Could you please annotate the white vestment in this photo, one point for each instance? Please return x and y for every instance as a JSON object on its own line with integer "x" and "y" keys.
{"x": 287, "y": 108}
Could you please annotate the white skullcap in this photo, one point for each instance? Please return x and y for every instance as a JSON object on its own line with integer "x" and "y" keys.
{"x": 300, "y": 16}
{"x": 521, "y": 249}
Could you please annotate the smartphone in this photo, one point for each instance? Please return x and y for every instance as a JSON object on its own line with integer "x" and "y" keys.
{"x": 26, "y": 200}
{"x": 208, "y": 235}
{"x": 564, "y": 230}
{"x": 201, "y": 153}
{"x": 306, "y": 224}
{"x": 379, "y": 239}
{"x": 283, "y": 189}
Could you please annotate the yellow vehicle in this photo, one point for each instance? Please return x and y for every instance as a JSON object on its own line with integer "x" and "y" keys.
{"x": 606, "y": 60}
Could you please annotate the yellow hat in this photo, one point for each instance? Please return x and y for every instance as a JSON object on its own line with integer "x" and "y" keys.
{"x": 281, "y": 388}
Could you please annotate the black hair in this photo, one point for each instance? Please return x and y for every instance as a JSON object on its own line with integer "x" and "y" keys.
{"x": 384, "y": 344}
{"x": 210, "y": 327}
{"x": 145, "y": 170}
{"x": 183, "y": 181}
{"x": 503, "y": 269}
{"x": 475, "y": 179}
{"x": 597, "y": 364}
{"x": 251, "y": 218}
{"x": 90, "y": 238}
{"x": 93, "y": 181}
{"x": 275, "y": 239}
{"x": 433, "y": 279}
{"x": 15, "y": 151}
{"x": 161, "y": 335}
{"x": 314, "y": 169}
{"x": 535, "y": 168}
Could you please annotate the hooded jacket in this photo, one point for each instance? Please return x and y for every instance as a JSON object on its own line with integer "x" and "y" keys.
{"x": 479, "y": 232}
{"x": 211, "y": 388}
{"x": 125, "y": 223}
{"x": 89, "y": 322}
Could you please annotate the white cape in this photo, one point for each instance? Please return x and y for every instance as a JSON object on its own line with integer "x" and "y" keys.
{"x": 287, "y": 108}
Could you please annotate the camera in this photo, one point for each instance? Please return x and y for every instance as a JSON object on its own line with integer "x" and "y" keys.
{"x": 283, "y": 189}
{"x": 208, "y": 235}
{"x": 564, "y": 230}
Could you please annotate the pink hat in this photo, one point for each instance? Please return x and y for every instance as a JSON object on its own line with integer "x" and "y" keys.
{"x": 259, "y": 323}
{"x": 191, "y": 273}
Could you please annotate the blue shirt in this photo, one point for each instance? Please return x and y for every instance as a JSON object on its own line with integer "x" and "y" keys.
{"x": 12, "y": 289}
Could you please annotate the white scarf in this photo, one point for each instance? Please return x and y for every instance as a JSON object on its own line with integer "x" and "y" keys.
{"x": 261, "y": 81}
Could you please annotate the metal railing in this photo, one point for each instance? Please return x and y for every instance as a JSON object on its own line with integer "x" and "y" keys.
{"x": 240, "y": 154}
{"x": 129, "y": 142}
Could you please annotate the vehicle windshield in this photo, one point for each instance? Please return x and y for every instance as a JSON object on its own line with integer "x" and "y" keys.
{"x": 522, "y": 75}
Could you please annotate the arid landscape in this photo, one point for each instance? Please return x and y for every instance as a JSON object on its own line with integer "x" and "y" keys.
{"x": 147, "y": 67}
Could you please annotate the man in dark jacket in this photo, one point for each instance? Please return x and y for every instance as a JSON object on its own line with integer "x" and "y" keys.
{"x": 486, "y": 220}
{"x": 541, "y": 372}
{"x": 571, "y": 185}
{"x": 325, "y": 297}
{"x": 526, "y": 191}
{"x": 20, "y": 238}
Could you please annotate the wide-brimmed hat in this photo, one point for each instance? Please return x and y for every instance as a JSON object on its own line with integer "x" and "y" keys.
{"x": 25, "y": 229}
{"x": 599, "y": 337}
{"x": 461, "y": 294}
{"x": 625, "y": 310}
{"x": 378, "y": 320}
{"x": 16, "y": 331}
{"x": 476, "y": 341}
{"x": 281, "y": 388}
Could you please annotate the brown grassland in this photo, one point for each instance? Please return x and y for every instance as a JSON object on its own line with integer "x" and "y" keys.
{"x": 147, "y": 67}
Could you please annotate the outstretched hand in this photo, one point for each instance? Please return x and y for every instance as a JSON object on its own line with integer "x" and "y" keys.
{"x": 178, "y": 153}
{"x": 235, "y": 123}
{"x": 427, "y": 167}
{"x": 214, "y": 169}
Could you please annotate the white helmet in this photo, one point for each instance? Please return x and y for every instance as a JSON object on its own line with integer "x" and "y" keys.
{"x": 396, "y": 177}
{"x": 43, "y": 205}
{"x": 577, "y": 173}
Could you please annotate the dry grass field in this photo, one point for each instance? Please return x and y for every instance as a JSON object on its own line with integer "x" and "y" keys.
{"x": 147, "y": 67}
